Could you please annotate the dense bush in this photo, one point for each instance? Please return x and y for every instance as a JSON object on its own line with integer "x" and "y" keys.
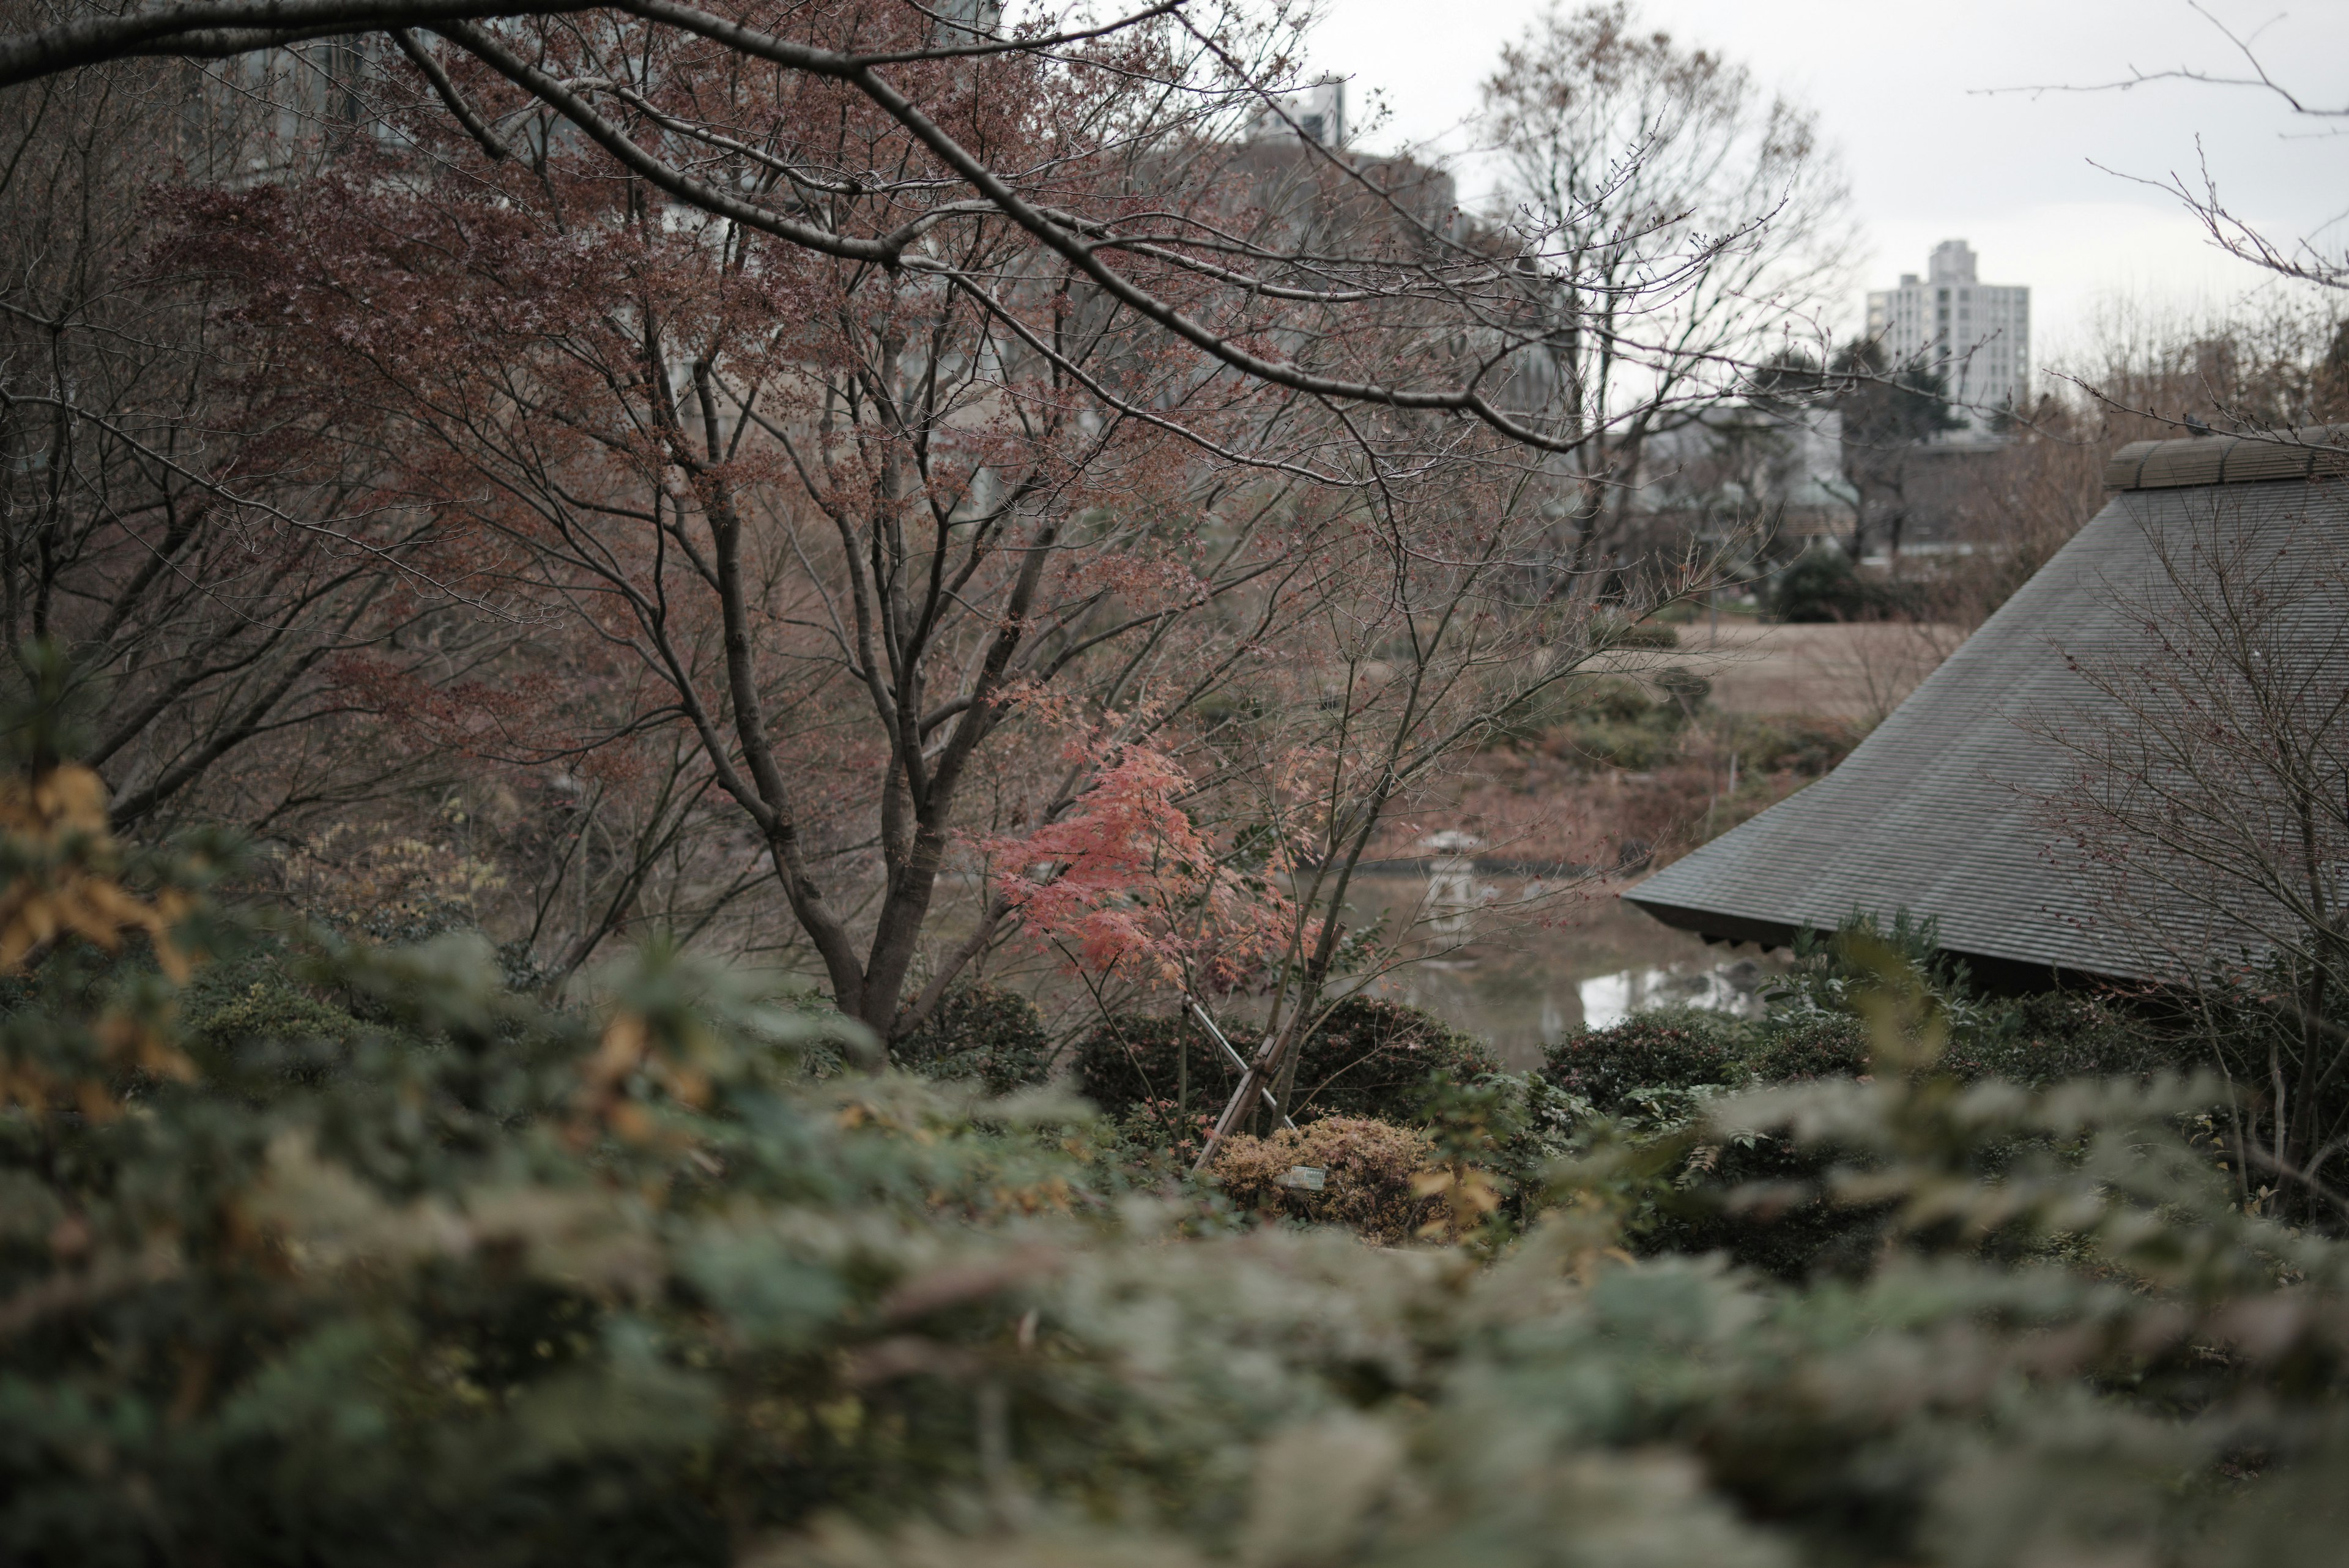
{"x": 1375, "y": 1058}
{"x": 2049, "y": 1036}
{"x": 1653, "y": 632}
{"x": 1636, "y": 747}
{"x": 1795, "y": 1047}
{"x": 1682, "y": 692}
{"x": 2037, "y": 1038}
{"x": 1369, "y": 1058}
{"x": 1620, "y": 722}
{"x": 1661, "y": 1072}
{"x": 1368, "y": 1169}
{"x": 1132, "y": 1059}
{"x": 1819, "y": 584}
{"x": 1668, "y": 1049}
{"x": 979, "y": 1032}
{"x": 1788, "y": 743}
{"x": 1516, "y": 1128}
{"x": 1615, "y": 699}
{"x": 1587, "y": 707}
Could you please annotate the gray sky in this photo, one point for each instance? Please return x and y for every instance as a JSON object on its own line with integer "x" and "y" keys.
{"x": 1898, "y": 89}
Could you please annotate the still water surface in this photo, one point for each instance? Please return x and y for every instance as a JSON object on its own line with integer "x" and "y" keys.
{"x": 1586, "y": 961}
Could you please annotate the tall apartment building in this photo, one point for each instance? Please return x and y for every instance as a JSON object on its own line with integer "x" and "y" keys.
{"x": 1976, "y": 336}
{"x": 1316, "y": 112}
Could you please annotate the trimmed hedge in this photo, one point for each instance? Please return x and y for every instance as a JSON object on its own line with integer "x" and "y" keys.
{"x": 1662, "y": 1050}
{"x": 1129, "y": 1058}
{"x": 996, "y": 1037}
{"x": 1373, "y": 1058}
{"x": 1370, "y": 1058}
{"x": 1801, "y": 1047}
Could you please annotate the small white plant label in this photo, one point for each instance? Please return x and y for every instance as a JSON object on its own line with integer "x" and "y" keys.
{"x": 1308, "y": 1177}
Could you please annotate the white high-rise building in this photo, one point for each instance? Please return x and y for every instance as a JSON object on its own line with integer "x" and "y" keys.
{"x": 1316, "y": 112}
{"x": 1975, "y": 335}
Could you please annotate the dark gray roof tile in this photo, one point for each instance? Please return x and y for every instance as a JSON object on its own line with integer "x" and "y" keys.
{"x": 1937, "y": 811}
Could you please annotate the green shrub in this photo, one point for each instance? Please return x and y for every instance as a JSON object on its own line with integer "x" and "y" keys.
{"x": 1684, "y": 692}
{"x": 1797, "y": 1047}
{"x": 1621, "y": 723}
{"x": 1831, "y": 968}
{"x": 1789, "y": 743}
{"x": 2048, "y": 1036}
{"x": 1755, "y": 1200}
{"x": 1532, "y": 716}
{"x": 1612, "y": 631}
{"x": 1819, "y": 584}
{"x": 1514, "y": 1127}
{"x": 2038, "y": 1038}
{"x": 1672, "y": 1049}
{"x": 1375, "y": 1058}
{"x": 1611, "y": 698}
{"x": 1369, "y": 1058}
{"x": 488, "y": 1281}
{"x": 1130, "y": 1060}
{"x": 1637, "y": 747}
{"x": 981, "y": 1033}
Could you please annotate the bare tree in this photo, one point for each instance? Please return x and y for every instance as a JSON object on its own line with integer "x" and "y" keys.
{"x": 654, "y": 89}
{"x": 205, "y": 546}
{"x": 1426, "y": 653}
{"x": 1687, "y": 225}
{"x": 840, "y": 384}
{"x": 2273, "y": 362}
{"x": 2208, "y": 809}
{"x": 2303, "y": 257}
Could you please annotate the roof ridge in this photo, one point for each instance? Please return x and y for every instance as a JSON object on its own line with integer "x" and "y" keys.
{"x": 2234, "y": 457}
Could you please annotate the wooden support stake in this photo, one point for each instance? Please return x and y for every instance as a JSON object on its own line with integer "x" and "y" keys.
{"x": 1256, "y": 1081}
{"x": 1235, "y": 1058}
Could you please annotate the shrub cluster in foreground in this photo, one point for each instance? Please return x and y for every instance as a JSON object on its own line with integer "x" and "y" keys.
{"x": 338, "y": 1254}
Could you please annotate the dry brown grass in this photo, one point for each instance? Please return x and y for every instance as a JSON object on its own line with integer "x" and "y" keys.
{"x": 1369, "y": 1168}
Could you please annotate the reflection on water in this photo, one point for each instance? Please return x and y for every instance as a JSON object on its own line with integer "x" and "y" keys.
{"x": 1587, "y": 960}
{"x": 1734, "y": 987}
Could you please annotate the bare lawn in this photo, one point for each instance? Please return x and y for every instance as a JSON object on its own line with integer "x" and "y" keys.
{"x": 1857, "y": 671}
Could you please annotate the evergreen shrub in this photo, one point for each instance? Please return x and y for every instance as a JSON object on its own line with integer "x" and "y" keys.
{"x": 1796, "y": 1047}
{"x": 982, "y": 1034}
{"x": 1676, "y": 1048}
{"x": 1819, "y": 584}
{"x": 2048, "y": 1036}
{"x": 384, "y": 1264}
{"x": 1130, "y": 1060}
{"x": 1369, "y": 1058}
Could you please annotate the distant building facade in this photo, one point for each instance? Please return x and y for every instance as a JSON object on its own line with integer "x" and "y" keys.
{"x": 1318, "y": 113}
{"x": 1975, "y": 335}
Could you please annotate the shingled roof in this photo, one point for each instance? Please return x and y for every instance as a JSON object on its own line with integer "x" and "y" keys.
{"x": 1934, "y": 813}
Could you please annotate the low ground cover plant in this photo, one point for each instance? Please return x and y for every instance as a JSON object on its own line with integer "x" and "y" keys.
{"x": 1364, "y": 1175}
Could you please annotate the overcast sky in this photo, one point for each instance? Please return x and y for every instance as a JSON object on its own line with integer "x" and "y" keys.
{"x": 1899, "y": 91}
